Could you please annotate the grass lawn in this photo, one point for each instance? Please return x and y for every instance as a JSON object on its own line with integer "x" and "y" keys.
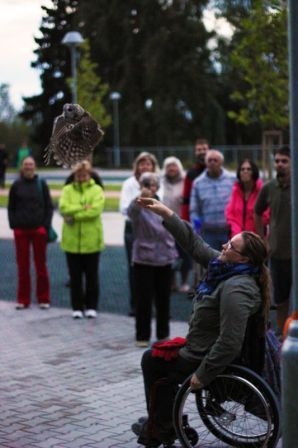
{"x": 111, "y": 203}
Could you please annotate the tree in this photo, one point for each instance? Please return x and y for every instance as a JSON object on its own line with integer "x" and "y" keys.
{"x": 158, "y": 51}
{"x": 7, "y": 111}
{"x": 91, "y": 90}
{"x": 151, "y": 50}
{"x": 260, "y": 57}
{"x": 53, "y": 62}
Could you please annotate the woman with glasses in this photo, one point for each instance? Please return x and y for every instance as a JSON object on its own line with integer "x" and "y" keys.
{"x": 239, "y": 211}
{"x": 235, "y": 287}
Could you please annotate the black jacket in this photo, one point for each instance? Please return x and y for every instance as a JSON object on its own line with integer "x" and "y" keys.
{"x": 29, "y": 204}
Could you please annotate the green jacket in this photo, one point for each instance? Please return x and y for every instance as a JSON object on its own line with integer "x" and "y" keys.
{"x": 82, "y": 230}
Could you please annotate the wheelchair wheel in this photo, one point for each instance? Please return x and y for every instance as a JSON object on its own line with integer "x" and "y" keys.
{"x": 237, "y": 409}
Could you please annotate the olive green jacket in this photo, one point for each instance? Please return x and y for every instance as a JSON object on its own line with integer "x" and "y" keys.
{"x": 82, "y": 230}
{"x": 218, "y": 321}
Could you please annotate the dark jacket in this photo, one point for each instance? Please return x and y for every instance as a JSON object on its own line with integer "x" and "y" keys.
{"x": 29, "y": 204}
{"x": 218, "y": 321}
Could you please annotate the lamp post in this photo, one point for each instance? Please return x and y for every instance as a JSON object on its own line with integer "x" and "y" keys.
{"x": 72, "y": 40}
{"x": 290, "y": 345}
{"x": 115, "y": 97}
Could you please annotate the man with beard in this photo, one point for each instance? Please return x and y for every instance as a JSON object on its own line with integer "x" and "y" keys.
{"x": 276, "y": 194}
{"x": 200, "y": 150}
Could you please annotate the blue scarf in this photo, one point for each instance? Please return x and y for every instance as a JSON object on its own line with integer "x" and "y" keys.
{"x": 218, "y": 271}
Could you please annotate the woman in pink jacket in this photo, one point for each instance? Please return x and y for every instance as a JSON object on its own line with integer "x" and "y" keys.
{"x": 240, "y": 208}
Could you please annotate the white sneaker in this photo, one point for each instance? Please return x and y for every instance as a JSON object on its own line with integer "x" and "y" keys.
{"x": 44, "y": 306}
{"x": 21, "y": 306}
{"x": 91, "y": 314}
{"x": 184, "y": 288}
{"x": 77, "y": 314}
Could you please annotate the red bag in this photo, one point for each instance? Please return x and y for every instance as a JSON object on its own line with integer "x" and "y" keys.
{"x": 168, "y": 350}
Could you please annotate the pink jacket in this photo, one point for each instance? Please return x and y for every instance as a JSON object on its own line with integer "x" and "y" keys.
{"x": 240, "y": 213}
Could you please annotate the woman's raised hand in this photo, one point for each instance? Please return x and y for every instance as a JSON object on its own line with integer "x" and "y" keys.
{"x": 155, "y": 206}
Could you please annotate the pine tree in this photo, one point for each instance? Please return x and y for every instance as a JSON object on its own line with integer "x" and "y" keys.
{"x": 53, "y": 62}
{"x": 91, "y": 90}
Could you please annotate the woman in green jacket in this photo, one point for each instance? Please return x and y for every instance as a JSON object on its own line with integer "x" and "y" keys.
{"x": 81, "y": 205}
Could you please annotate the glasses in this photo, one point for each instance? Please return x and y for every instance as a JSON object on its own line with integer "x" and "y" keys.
{"x": 230, "y": 246}
{"x": 283, "y": 161}
{"x": 245, "y": 169}
{"x": 213, "y": 160}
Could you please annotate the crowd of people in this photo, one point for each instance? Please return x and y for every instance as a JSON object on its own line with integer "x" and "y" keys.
{"x": 217, "y": 203}
{"x": 232, "y": 232}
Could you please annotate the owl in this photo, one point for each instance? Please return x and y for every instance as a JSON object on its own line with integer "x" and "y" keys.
{"x": 75, "y": 135}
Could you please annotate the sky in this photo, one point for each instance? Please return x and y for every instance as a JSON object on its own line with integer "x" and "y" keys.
{"x": 19, "y": 24}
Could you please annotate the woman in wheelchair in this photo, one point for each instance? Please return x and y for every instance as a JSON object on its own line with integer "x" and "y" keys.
{"x": 236, "y": 286}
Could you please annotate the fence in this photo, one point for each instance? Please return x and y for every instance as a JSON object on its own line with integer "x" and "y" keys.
{"x": 233, "y": 154}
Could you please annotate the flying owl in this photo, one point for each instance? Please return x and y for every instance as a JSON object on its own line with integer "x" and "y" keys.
{"x": 75, "y": 135}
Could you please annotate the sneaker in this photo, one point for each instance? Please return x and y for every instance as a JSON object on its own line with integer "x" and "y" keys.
{"x": 44, "y": 306}
{"x": 184, "y": 288}
{"x": 77, "y": 314}
{"x": 142, "y": 344}
{"x": 21, "y": 306}
{"x": 91, "y": 314}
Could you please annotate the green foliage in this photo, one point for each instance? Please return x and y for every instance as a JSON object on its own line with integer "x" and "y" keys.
{"x": 91, "y": 89}
{"x": 153, "y": 49}
{"x": 261, "y": 60}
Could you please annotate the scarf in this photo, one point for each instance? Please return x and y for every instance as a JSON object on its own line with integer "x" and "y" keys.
{"x": 219, "y": 271}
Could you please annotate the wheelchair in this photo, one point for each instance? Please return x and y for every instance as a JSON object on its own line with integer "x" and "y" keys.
{"x": 237, "y": 409}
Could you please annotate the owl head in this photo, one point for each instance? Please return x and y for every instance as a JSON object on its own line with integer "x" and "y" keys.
{"x": 73, "y": 112}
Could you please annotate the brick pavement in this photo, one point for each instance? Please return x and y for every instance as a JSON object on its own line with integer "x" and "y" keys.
{"x": 66, "y": 383}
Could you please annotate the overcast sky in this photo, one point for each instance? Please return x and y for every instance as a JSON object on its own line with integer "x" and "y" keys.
{"x": 19, "y": 23}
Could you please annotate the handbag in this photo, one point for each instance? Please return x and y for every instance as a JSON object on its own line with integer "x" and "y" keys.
{"x": 52, "y": 235}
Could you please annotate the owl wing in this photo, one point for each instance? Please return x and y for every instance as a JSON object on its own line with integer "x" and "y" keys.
{"x": 60, "y": 127}
{"x": 77, "y": 142}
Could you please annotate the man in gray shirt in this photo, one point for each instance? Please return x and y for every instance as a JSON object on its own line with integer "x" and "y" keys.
{"x": 276, "y": 194}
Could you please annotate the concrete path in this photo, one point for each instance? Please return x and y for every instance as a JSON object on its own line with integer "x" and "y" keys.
{"x": 113, "y": 223}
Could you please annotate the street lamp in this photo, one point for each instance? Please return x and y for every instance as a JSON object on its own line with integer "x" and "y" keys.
{"x": 115, "y": 97}
{"x": 72, "y": 40}
{"x": 290, "y": 345}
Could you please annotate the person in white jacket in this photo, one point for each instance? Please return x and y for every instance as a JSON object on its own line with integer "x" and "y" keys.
{"x": 144, "y": 162}
{"x": 172, "y": 183}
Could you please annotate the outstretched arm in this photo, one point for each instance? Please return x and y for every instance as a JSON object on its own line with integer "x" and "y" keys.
{"x": 155, "y": 206}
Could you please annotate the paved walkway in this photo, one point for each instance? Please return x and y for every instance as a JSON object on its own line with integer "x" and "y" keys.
{"x": 66, "y": 383}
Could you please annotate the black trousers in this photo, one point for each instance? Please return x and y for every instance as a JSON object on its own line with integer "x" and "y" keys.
{"x": 84, "y": 280}
{"x": 175, "y": 371}
{"x": 152, "y": 285}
